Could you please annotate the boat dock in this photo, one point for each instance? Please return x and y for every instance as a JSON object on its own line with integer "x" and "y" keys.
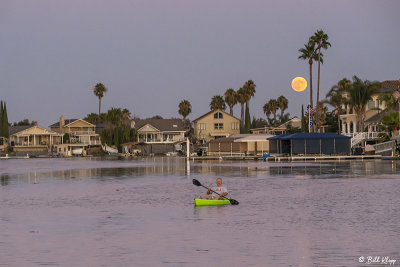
{"x": 292, "y": 158}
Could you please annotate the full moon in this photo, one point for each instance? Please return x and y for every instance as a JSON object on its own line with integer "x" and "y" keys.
{"x": 299, "y": 84}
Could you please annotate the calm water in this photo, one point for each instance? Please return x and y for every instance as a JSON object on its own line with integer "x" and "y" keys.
{"x": 80, "y": 212}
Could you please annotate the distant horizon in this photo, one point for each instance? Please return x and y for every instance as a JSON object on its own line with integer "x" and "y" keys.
{"x": 153, "y": 54}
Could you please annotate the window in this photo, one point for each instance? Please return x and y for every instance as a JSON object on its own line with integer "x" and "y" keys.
{"x": 235, "y": 126}
{"x": 218, "y": 115}
{"x": 201, "y": 126}
{"x": 218, "y": 126}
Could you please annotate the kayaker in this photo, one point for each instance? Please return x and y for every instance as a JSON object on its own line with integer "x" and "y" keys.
{"x": 221, "y": 190}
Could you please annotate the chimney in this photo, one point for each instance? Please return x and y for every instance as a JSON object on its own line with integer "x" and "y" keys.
{"x": 62, "y": 123}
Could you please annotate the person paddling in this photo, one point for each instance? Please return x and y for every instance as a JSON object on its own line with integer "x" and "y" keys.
{"x": 221, "y": 190}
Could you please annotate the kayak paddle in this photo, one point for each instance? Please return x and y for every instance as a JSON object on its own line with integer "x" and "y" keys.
{"x": 233, "y": 202}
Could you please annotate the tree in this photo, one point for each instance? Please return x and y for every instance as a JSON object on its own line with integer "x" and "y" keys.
{"x": 117, "y": 131}
{"x": 336, "y": 99}
{"x": 1, "y": 119}
{"x": 217, "y": 102}
{"x": 92, "y": 118}
{"x": 321, "y": 39}
{"x": 359, "y": 94}
{"x": 99, "y": 91}
{"x": 231, "y": 99}
{"x": 5, "y": 121}
{"x": 267, "y": 111}
{"x": 241, "y": 97}
{"x": 309, "y": 53}
{"x": 185, "y": 108}
{"x": 249, "y": 88}
{"x": 273, "y": 104}
{"x": 247, "y": 121}
{"x": 282, "y": 104}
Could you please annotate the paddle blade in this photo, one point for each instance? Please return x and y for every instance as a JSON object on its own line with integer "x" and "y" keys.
{"x": 234, "y": 202}
{"x": 195, "y": 182}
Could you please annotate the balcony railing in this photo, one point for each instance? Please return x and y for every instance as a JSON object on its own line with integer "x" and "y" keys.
{"x": 77, "y": 133}
{"x": 159, "y": 140}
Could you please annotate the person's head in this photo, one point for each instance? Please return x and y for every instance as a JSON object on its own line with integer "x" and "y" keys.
{"x": 219, "y": 181}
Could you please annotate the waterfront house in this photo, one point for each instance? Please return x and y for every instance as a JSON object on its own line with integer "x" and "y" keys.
{"x": 215, "y": 124}
{"x": 33, "y": 140}
{"x": 160, "y": 131}
{"x": 374, "y": 112}
{"x": 80, "y": 135}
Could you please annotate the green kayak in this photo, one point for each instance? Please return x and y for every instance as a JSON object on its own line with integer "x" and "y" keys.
{"x": 210, "y": 202}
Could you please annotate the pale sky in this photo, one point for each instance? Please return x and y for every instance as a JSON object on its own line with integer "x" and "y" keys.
{"x": 153, "y": 54}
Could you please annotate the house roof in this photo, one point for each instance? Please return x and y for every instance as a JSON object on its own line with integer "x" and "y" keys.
{"x": 213, "y": 111}
{"x": 392, "y": 85}
{"x": 67, "y": 121}
{"x": 309, "y": 136}
{"x": 224, "y": 140}
{"x": 163, "y": 125}
{"x": 294, "y": 122}
{"x": 254, "y": 138}
{"x": 16, "y": 129}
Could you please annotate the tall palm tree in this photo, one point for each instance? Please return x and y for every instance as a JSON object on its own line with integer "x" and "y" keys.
{"x": 230, "y": 99}
{"x": 99, "y": 90}
{"x": 309, "y": 53}
{"x": 267, "y": 111}
{"x": 241, "y": 97}
{"x": 359, "y": 94}
{"x": 321, "y": 39}
{"x": 217, "y": 102}
{"x": 282, "y": 104}
{"x": 336, "y": 99}
{"x": 185, "y": 108}
{"x": 249, "y": 88}
{"x": 274, "y": 107}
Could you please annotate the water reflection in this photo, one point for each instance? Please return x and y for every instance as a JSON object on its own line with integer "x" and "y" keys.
{"x": 117, "y": 213}
{"x": 181, "y": 167}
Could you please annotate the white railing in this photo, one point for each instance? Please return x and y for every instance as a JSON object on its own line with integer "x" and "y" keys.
{"x": 382, "y": 147}
{"x": 159, "y": 140}
{"x": 77, "y": 133}
{"x": 357, "y": 138}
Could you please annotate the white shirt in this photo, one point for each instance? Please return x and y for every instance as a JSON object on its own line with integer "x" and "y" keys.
{"x": 219, "y": 190}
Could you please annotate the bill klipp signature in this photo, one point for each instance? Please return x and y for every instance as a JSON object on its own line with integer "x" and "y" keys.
{"x": 384, "y": 260}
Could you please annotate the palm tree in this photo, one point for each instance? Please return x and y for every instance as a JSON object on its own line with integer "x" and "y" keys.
{"x": 309, "y": 53}
{"x": 241, "y": 98}
{"x": 185, "y": 108}
{"x": 273, "y": 104}
{"x": 249, "y": 88}
{"x": 359, "y": 94}
{"x": 99, "y": 91}
{"x": 114, "y": 116}
{"x": 336, "y": 99}
{"x": 217, "y": 102}
{"x": 282, "y": 104}
{"x": 267, "y": 111}
{"x": 92, "y": 118}
{"x": 321, "y": 39}
{"x": 230, "y": 99}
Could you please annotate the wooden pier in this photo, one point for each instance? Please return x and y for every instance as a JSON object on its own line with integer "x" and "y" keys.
{"x": 293, "y": 158}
